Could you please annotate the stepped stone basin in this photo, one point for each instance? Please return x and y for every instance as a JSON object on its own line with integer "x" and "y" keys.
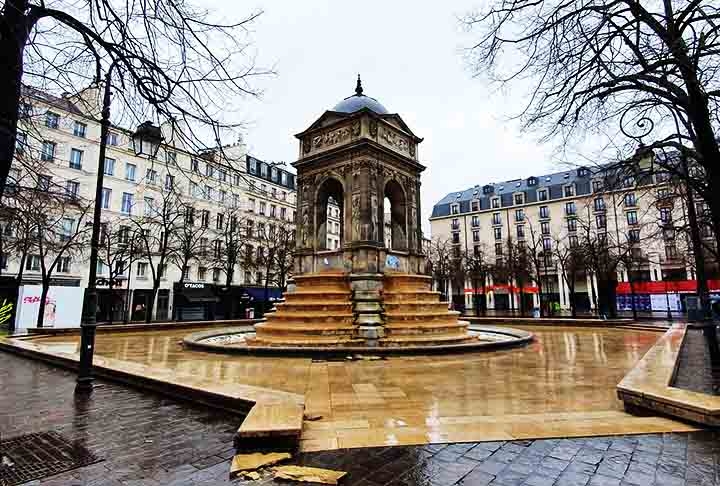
{"x": 324, "y": 314}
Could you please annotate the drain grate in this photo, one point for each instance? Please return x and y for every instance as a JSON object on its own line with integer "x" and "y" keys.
{"x": 37, "y": 456}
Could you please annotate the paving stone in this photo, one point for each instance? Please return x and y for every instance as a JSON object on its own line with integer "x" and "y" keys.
{"x": 478, "y": 453}
{"x": 146, "y": 439}
{"x": 572, "y": 479}
{"x": 538, "y": 480}
{"x": 491, "y": 467}
{"x": 477, "y": 478}
{"x": 602, "y": 480}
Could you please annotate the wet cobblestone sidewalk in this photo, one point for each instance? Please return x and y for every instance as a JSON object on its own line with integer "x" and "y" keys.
{"x": 145, "y": 439}
{"x": 696, "y": 369}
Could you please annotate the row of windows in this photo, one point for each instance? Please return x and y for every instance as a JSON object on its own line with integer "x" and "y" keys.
{"x": 568, "y": 191}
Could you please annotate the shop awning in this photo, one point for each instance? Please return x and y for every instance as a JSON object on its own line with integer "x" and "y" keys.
{"x": 198, "y": 296}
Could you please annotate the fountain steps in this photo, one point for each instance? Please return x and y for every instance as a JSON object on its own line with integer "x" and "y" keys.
{"x": 425, "y": 328}
{"x": 399, "y": 297}
{"x": 321, "y": 312}
{"x": 307, "y": 340}
{"x": 427, "y": 339}
{"x": 299, "y": 329}
{"x": 314, "y": 306}
{"x": 412, "y": 314}
{"x": 311, "y": 317}
{"x": 401, "y": 282}
{"x": 313, "y": 297}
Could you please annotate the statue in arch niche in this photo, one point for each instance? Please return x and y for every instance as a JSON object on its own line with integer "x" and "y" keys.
{"x": 374, "y": 223}
{"x": 355, "y": 217}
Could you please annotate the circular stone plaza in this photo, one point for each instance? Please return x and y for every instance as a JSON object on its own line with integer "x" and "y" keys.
{"x": 362, "y": 368}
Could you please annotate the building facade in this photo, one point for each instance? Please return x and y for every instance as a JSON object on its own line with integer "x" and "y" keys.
{"x": 58, "y": 148}
{"x": 552, "y": 214}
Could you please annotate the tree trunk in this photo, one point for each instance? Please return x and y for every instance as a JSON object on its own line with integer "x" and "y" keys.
{"x": 571, "y": 289}
{"x": 476, "y": 300}
{"x": 112, "y": 300}
{"x": 540, "y": 295}
{"x": 15, "y": 28}
{"x": 43, "y": 297}
{"x": 150, "y": 307}
{"x": 632, "y": 297}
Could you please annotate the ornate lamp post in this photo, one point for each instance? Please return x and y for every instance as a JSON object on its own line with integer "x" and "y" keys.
{"x": 146, "y": 142}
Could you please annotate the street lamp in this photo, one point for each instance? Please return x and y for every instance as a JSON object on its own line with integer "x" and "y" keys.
{"x": 146, "y": 141}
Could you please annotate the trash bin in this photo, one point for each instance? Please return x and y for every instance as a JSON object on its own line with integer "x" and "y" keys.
{"x": 250, "y": 313}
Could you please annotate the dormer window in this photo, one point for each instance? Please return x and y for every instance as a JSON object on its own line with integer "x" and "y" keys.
{"x": 532, "y": 181}
{"x": 582, "y": 172}
{"x": 519, "y": 198}
{"x": 475, "y": 205}
{"x": 566, "y": 176}
{"x": 542, "y": 194}
{"x": 495, "y": 202}
{"x": 569, "y": 190}
{"x": 517, "y": 184}
{"x": 548, "y": 179}
{"x": 455, "y": 209}
{"x": 487, "y": 189}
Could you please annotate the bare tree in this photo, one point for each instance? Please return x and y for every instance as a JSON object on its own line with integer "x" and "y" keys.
{"x": 58, "y": 224}
{"x": 478, "y": 267}
{"x": 283, "y": 255}
{"x": 649, "y": 68}
{"x": 440, "y": 261}
{"x": 571, "y": 263}
{"x": 538, "y": 256}
{"x": 276, "y": 243}
{"x": 173, "y": 61}
{"x": 234, "y": 237}
{"x": 519, "y": 270}
{"x": 156, "y": 229}
{"x": 116, "y": 252}
{"x": 601, "y": 260}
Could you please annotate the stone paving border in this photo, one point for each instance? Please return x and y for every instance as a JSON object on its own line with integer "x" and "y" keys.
{"x": 103, "y": 328}
{"x": 648, "y": 386}
{"x": 661, "y": 326}
{"x": 269, "y": 413}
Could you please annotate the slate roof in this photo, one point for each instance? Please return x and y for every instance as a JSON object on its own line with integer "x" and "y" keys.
{"x": 52, "y": 100}
{"x": 553, "y": 182}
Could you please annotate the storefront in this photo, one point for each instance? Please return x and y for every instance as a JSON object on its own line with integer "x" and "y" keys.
{"x": 194, "y": 301}
{"x": 112, "y": 303}
{"x": 207, "y": 302}
{"x": 659, "y": 295}
{"x": 142, "y": 301}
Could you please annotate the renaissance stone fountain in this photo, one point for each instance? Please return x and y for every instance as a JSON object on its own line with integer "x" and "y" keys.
{"x": 373, "y": 291}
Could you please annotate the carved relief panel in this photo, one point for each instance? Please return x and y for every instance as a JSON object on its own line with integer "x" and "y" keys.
{"x": 330, "y": 138}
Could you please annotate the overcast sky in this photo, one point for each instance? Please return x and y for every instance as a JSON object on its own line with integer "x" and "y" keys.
{"x": 409, "y": 56}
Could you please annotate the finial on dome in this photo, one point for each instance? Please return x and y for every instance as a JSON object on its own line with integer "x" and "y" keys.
{"x": 358, "y": 87}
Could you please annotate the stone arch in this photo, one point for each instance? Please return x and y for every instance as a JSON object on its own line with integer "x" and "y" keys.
{"x": 333, "y": 188}
{"x": 397, "y": 225}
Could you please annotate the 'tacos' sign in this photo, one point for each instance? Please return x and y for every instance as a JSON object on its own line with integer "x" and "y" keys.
{"x": 190, "y": 285}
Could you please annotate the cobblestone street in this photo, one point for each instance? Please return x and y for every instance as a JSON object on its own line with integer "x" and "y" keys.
{"x": 145, "y": 439}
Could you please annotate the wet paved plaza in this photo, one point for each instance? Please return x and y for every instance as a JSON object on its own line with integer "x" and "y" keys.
{"x": 562, "y": 385}
{"x": 145, "y": 439}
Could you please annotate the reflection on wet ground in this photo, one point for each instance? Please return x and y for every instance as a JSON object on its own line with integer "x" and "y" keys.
{"x": 563, "y": 384}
